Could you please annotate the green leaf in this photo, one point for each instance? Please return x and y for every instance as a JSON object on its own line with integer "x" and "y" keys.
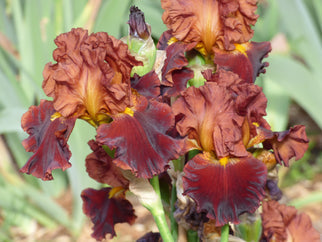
{"x": 315, "y": 197}
{"x": 10, "y": 119}
{"x": 77, "y": 175}
{"x": 112, "y": 16}
{"x": 298, "y": 82}
{"x": 302, "y": 31}
{"x": 278, "y": 104}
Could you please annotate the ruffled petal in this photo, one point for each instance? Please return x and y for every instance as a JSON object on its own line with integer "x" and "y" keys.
{"x": 272, "y": 222}
{"x": 301, "y": 229}
{"x": 245, "y": 60}
{"x": 100, "y": 167}
{"x": 147, "y": 85}
{"x": 210, "y": 23}
{"x": 225, "y": 192}
{"x": 105, "y": 212}
{"x": 284, "y": 223}
{"x": 92, "y": 71}
{"x": 174, "y": 73}
{"x": 250, "y": 101}
{"x": 209, "y": 117}
{"x": 286, "y": 145}
{"x": 47, "y": 140}
{"x": 141, "y": 140}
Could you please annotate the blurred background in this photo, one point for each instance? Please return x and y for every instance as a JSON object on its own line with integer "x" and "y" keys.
{"x": 33, "y": 210}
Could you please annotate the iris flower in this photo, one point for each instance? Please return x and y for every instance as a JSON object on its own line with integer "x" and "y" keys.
{"x": 221, "y": 119}
{"x": 91, "y": 81}
{"x": 220, "y": 30}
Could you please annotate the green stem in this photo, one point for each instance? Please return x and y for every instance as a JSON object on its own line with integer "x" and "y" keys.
{"x": 224, "y": 233}
{"x": 158, "y": 213}
{"x": 192, "y": 236}
{"x": 174, "y": 225}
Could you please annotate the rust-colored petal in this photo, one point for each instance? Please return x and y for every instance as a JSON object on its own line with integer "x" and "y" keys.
{"x": 225, "y": 191}
{"x": 106, "y": 211}
{"x": 250, "y": 101}
{"x": 288, "y": 144}
{"x": 245, "y": 60}
{"x": 301, "y": 229}
{"x": 223, "y": 78}
{"x": 141, "y": 140}
{"x": 92, "y": 71}
{"x": 284, "y": 223}
{"x": 47, "y": 140}
{"x": 100, "y": 167}
{"x": 272, "y": 222}
{"x": 210, "y": 23}
{"x": 147, "y": 85}
{"x": 208, "y": 115}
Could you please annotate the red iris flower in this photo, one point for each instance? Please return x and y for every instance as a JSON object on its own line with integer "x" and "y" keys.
{"x": 91, "y": 80}
{"x": 223, "y": 120}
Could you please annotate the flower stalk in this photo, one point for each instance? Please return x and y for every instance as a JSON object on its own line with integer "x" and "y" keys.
{"x": 158, "y": 214}
{"x": 224, "y": 233}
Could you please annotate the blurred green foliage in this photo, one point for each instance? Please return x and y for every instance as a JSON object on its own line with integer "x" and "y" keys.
{"x": 27, "y": 31}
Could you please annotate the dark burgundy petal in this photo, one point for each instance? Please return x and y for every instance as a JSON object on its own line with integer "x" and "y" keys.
{"x": 147, "y": 85}
{"x": 105, "y": 212}
{"x": 141, "y": 141}
{"x": 180, "y": 78}
{"x": 150, "y": 237}
{"x": 47, "y": 140}
{"x": 247, "y": 63}
{"x": 288, "y": 144}
{"x": 138, "y": 27}
{"x": 100, "y": 167}
{"x": 175, "y": 61}
{"x": 225, "y": 192}
{"x": 174, "y": 73}
{"x": 163, "y": 40}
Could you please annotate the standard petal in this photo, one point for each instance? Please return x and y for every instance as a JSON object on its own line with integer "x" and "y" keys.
{"x": 105, "y": 212}
{"x": 209, "y": 117}
{"x": 47, "y": 140}
{"x": 92, "y": 72}
{"x": 210, "y": 23}
{"x": 225, "y": 192}
{"x": 141, "y": 140}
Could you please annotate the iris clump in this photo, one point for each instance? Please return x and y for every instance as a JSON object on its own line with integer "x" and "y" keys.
{"x": 208, "y": 141}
